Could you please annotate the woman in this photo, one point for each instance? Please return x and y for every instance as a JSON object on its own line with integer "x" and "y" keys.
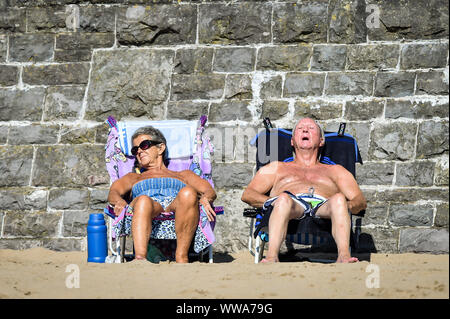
{"x": 157, "y": 189}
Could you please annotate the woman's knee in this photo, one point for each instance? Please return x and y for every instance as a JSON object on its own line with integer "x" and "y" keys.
{"x": 143, "y": 203}
{"x": 188, "y": 196}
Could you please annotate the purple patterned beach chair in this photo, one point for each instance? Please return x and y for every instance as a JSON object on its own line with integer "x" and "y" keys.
{"x": 196, "y": 157}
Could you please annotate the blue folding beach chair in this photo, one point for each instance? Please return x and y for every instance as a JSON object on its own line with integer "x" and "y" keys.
{"x": 274, "y": 144}
{"x": 188, "y": 147}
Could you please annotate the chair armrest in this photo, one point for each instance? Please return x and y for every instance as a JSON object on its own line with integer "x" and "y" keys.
{"x": 251, "y": 212}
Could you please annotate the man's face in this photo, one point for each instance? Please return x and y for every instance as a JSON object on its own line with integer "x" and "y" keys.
{"x": 306, "y": 135}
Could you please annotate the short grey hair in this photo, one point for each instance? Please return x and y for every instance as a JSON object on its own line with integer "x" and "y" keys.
{"x": 322, "y": 132}
{"x": 154, "y": 133}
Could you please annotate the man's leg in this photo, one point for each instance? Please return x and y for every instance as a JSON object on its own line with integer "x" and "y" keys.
{"x": 144, "y": 210}
{"x": 284, "y": 209}
{"x": 185, "y": 206}
{"x": 336, "y": 209}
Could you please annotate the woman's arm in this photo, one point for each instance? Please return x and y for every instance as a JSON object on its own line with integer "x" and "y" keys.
{"x": 206, "y": 193}
{"x": 118, "y": 190}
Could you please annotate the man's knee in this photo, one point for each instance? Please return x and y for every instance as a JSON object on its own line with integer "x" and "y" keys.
{"x": 188, "y": 196}
{"x": 283, "y": 204}
{"x": 339, "y": 201}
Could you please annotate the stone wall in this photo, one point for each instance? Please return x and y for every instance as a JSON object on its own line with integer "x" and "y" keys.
{"x": 379, "y": 65}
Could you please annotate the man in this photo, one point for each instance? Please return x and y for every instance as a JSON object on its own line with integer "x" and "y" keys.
{"x": 333, "y": 183}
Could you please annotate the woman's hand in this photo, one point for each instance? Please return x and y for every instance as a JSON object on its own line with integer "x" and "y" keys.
{"x": 210, "y": 213}
{"x": 119, "y": 206}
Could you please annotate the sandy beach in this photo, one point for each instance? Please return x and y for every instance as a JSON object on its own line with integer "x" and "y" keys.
{"x": 40, "y": 273}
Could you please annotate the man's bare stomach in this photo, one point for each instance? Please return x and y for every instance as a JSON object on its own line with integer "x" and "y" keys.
{"x": 323, "y": 188}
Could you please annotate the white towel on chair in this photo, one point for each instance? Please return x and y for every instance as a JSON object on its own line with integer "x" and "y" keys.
{"x": 180, "y": 135}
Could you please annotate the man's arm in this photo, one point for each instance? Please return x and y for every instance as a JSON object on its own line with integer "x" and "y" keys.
{"x": 262, "y": 182}
{"x": 348, "y": 186}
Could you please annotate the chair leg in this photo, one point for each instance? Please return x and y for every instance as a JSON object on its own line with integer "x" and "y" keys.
{"x": 259, "y": 249}
{"x": 250, "y": 236}
{"x": 123, "y": 240}
{"x": 210, "y": 254}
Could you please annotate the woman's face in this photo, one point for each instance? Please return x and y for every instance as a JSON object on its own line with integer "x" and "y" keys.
{"x": 149, "y": 155}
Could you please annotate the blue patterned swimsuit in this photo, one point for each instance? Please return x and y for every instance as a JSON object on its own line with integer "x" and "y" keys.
{"x": 161, "y": 189}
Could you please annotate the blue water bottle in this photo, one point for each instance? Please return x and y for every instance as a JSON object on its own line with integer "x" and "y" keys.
{"x": 96, "y": 239}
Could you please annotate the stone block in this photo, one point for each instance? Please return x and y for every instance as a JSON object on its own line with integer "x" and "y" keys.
{"x": 396, "y": 109}
{"x": 232, "y": 175}
{"x": 394, "y": 84}
{"x": 31, "y": 47}
{"x": 410, "y": 214}
{"x": 9, "y": 75}
{"x": 409, "y": 194}
{"x": 75, "y": 223}
{"x": 420, "y": 240}
{"x": 349, "y": 83}
{"x": 376, "y": 214}
{"x": 234, "y": 23}
{"x": 432, "y": 82}
{"x": 65, "y": 244}
{"x": 372, "y": 56}
{"x": 47, "y": 19}
{"x": 68, "y": 198}
{"x": 21, "y": 105}
{"x": 238, "y": 86}
{"x": 300, "y": 23}
{"x": 186, "y": 110}
{"x": 23, "y": 199}
{"x": 356, "y": 110}
{"x": 98, "y": 198}
{"x": 231, "y": 229}
{"x": 411, "y": 20}
{"x": 36, "y": 224}
{"x": 20, "y": 243}
{"x": 303, "y": 84}
{"x": 98, "y": 18}
{"x": 271, "y": 87}
{"x": 415, "y": 173}
{"x": 198, "y": 60}
{"x": 63, "y": 102}
{"x": 421, "y": 56}
{"x": 274, "y": 110}
{"x": 373, "y": 173}
{"x": 131, "y": 82}
{"x": 101, "y": 133}
{"x": 379, "y": 239}
{"x": 441, "y": 218}
{"x": 234, "y": 59}
{"x": 3, "y": 48}
{"x": 13, "y": 20}
{"x": 77, "y": 135}
{"x": 70, "y": 166}
{"x": 230, "y": 110}
{"x": 157, "y": 24}
{"x": 393, "y": 141}
{"x": 284, "y": 58}
{"x": 318, "y": 110}
{"x": 15, "y": 165}
{"x": 78, "y": 46}
{"x": 33, "y": 134}
{"x": 346, "y": 19}
{"x": 432, "y": 139}
{"x": 4, "y": 130}
{"x": 441, "y": 171}
{"x": 192, "y": 87}
{"x": 360, "y": 131}
{"x": 329, "y": 57}
{"x": 56, "y": 74}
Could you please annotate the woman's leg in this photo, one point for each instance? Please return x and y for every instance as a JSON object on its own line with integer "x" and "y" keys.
{"x": 185, "y": 206}
{"x": 144, "y": 210}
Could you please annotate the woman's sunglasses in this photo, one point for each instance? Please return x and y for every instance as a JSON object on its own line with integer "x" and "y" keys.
{"x": 146, "y": 144}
